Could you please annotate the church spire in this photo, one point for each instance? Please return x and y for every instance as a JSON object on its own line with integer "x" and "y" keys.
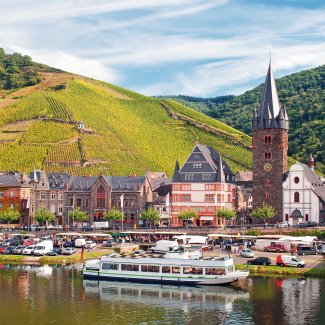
{"x": 270, "y": 108}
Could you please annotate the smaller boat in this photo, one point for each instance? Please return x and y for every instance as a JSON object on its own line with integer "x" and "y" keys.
{"x": 180, "y": 271}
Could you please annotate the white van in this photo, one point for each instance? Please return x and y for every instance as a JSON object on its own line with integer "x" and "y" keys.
{"x": 43, "y": 247}
{"x": 163, "y": 246}
{"x": 289, "y": 260}
{"x": 79, "y": 242}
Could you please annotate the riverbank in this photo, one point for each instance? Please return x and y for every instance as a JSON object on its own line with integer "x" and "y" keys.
{"x": 59, "y": 259}
{"x": 282, "y": 270}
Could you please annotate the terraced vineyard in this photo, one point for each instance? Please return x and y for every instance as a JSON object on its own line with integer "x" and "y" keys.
{"x": 130, "y": 133}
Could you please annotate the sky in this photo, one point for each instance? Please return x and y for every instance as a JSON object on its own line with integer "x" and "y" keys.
{"x": 168, "y": 47}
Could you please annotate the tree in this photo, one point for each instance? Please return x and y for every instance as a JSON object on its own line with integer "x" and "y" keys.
{"x": 78, "y": 215}
{"x": 150, "y": 215}
{"x": 9, "y": 215}
{"x": 113, "y": 215}
{"x": 225, "y": 213}
{"x": 42, "y": 216}
{"x": 187, "y": 215}
{"x": 264, "y": 212}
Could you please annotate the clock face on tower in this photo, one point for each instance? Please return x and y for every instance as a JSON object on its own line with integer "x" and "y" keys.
{"x": 267, "y": 167}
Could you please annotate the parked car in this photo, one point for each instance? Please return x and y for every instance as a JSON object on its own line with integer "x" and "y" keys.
{"x": 16, "y": 242}
{"x": 18, "y": 250}
{"x": 274, "y": 248}
{"x": 90, "y": 244}
{"x": 110, "y": 243}
{"x": 79, "y": 242}
{"x": 309, "y": 224}
{"x": 6, "y": 242}
{"x": 307, "y": 250}
{"x": 246, "y": 253}
{"x": 68, "y": 250}
{"x": 55, "y": 252}
{"x": 2, "y": 248}
{"x": 288, "y": 260}
{"x": 43, "y": 247}
{"x": 87, "y": 228}
{"x": 29, "y": 250}
{"x": 28, "y": 242}
{"x": 283, "y": 224}
{"x": 9, "y": 250}
{"x": 68, "y": 244}
{"x": 260, "y": 261}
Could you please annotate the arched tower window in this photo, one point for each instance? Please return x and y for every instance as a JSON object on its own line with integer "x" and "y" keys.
{"x": 296, "y": 197}
{"x": 267, "y": 155}
{"x": 267, "y": 139}
{"x": 267, "y": 196}
{"x": 101, "y": 189}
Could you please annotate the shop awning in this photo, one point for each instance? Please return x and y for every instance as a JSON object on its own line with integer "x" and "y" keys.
{"x": 206, "y": 218}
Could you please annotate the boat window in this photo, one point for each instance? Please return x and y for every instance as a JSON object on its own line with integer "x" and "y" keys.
{"x": 192, "y": 270}
{"x": 176, "y": 269}
{"x": 129, "y": 267}
{"x": 166, "y": 269}
{"x": 150, "y": 268}
{"x": 214, "y": 271}
{"x": 110, "y": 266}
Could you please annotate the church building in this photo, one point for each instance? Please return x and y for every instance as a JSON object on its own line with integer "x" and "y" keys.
{"x": 270, "y": 146}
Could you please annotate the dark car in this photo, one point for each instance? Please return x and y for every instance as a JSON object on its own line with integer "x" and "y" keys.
{"x": 9, "y": 250}
{"x": 110, "y": 243}
{"x": 55, "y": 252}
{"x": 16, "y": 242}
{"x": 68, "y": 244}
{"x": 312, "y": 224}
{"x": 260, "y": 261}
{"x": 307, "y": 250}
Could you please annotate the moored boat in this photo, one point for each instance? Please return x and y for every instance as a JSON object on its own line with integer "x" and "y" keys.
{"x": 164, "y": 270}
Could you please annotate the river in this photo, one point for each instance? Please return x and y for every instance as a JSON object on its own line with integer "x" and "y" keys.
{"x": 58, "y": 295}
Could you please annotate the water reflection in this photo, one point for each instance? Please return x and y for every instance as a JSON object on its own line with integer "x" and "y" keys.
{"x": 219, "y": 298}
{"x": 39, "y": 295}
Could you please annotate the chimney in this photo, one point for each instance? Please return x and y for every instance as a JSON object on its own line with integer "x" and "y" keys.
{"x": 311, "y": 163}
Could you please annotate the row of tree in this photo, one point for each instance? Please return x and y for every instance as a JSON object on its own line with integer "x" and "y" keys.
{"x": 150, "y": 215}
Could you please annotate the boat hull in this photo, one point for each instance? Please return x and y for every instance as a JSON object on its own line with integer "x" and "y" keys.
{"x": 165, "y": 280}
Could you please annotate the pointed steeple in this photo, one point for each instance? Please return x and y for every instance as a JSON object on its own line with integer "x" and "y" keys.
{"x": 269, "y": 110}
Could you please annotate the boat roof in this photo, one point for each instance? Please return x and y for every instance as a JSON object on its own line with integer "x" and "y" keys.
{"x": 219, "y": 262}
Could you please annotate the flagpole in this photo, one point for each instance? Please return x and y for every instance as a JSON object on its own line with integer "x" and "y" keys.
{"x": 122, "y": 203}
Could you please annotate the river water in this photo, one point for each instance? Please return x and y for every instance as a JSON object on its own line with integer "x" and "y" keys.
{"x": 58, "y": 295}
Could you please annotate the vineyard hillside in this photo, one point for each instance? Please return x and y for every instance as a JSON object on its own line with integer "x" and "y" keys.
{"x": 121, "y": 132}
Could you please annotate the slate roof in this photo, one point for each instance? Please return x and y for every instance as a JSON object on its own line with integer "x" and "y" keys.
{"x": 58, "y": 180}
{"x": 202, "y": 161}
{"x": 125, "y": 183}
{"x": 81, "y": 183}
{"x": 12, "y": 181}
{"x": 270, "y": 114}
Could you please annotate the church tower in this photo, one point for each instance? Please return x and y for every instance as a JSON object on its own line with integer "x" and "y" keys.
{"x": 270, "y": 146}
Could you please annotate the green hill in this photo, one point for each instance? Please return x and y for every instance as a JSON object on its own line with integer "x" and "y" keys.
{"x": 303, "y": 95}
{"x": 126, "y": 133}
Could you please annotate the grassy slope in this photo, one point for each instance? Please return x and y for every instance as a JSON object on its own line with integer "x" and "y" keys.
{"x": 131, "y": 133}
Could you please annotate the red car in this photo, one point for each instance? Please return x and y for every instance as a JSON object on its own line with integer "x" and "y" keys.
{"x": 2, "y": 248}
{"x": 28, "y": 242}
{"x": 274, "y": 248}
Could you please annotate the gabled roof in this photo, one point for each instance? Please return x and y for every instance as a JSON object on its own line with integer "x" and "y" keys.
{"x": 12, "y": 181}
{"x": 203, "y": 160}
{"x": 81, "y": 183}
{"x": 315, "y": 180}
{"x": 125, "y": 183}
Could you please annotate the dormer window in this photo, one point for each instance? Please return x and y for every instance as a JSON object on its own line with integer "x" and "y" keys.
{"x": 197, "y": 165}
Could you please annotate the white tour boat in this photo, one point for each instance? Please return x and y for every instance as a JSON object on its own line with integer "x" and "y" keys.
{"x": 164, "y": 270}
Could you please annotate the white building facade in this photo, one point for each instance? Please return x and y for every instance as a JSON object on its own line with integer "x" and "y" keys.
{"x": 303, "y": 196}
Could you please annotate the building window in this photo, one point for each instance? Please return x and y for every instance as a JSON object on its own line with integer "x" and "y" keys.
{"x": 267, "y": 139}
{"x": 101, "y": 189}
{"x": 218, "y": 198}
{"x": 267, "y": 155}
{"x": 60, "y": 209}
{"x": 1, "y": 194}
{"x": 11, "y": 194}
{"x": 296, "y": 197}
{"x": 32, "y": 208}
{"x": 306, "y": 217}
{"x": 100, "y": 203}
{"x": 267, "y": 196}
{"x": 78, "y": 202}
{"x": 296, "y": 180}
{"x": 209, "y": 187}
{"x": 53, "y": 196}
{"x": 267, "y": 183}
{"x": 85, "y": 203}
{"x": 43, "y": 184}
{"x": 0, "y": 205}
{"x": 186, "y": 187}
{"x": 176, "y": 187}
{"x": 189, "y": 177}
{"x": 206, "y": 177}
{"x": 61, "y": 196}
{"x": 197, "y": 165}
{"x": 209, "y": 198}
{"x": 287, "y": 217}
{"x": 196, "y": 156}
{"x": 11, "y": 205}
{"x": 43, "y": 196}
{"x": 186, "y": 198}
{"x": 218, "y": 187}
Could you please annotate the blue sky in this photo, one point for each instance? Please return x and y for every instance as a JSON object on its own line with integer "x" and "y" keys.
{"x": 158, "y": 47}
